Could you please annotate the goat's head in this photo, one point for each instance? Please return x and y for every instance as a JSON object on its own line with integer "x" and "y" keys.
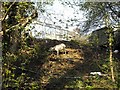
{"x": 51, "y": 49}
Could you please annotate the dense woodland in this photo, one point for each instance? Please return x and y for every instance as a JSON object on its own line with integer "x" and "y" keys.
{"x": 28, "y": 63}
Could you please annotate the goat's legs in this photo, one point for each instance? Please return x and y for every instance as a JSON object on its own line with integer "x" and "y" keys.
{"x": 57, "y": 52}
{"x": 65, "y": 51}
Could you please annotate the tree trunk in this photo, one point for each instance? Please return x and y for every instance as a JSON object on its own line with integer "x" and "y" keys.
{"x": 110, "y": 41}
{"x": 111, "y": 62}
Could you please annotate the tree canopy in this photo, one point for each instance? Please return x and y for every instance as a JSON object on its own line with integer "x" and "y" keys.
{"x": 96, "y": 13}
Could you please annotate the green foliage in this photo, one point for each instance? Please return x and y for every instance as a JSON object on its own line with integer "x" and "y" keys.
{"x": 16, "y": 73}
{"x": 96, "y": 13}
{"x": 75, "y": 84}
{"x": 103, "y": 12}
{"x": 89, "y": 87}
{"x": 19, "y": 70}
{"x": 99, "y": 82}
{"x": 17, "y": 52}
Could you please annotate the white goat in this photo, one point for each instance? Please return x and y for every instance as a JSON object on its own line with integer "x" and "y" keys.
{"x": 59, "y": 47}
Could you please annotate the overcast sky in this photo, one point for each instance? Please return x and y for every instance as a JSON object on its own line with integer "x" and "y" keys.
{"x": 61, "y": 15}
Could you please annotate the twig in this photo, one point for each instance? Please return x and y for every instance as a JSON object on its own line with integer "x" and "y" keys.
{"x": 8, "y": 10}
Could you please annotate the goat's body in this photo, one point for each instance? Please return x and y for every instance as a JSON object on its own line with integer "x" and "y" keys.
{"x": 58, "y": 48}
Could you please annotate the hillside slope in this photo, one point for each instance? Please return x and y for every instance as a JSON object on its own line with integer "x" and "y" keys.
{"x": 78, "y": 62}
{"x": 58, "y": 72}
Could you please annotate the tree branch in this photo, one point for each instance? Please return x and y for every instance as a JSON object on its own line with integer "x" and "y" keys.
{"x": 24, "y": 22}
{"x": 8, "y": 10}
{"x": 115, "y": 12}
